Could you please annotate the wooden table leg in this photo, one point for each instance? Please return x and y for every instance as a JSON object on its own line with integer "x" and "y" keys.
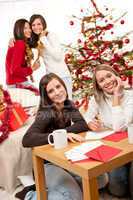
{"x": 38, "y": 165}
{"x": 90, "y": 189}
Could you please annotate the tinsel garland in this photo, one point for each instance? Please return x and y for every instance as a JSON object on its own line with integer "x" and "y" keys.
{"x": 28, "y": 87}
{"x": 4, "y": 128}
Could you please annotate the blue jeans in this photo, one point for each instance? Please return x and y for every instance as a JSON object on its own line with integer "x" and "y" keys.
{"x": 118, "y": 181}
{"x": 61, "y": 185}
{"x": 131, "y": 180}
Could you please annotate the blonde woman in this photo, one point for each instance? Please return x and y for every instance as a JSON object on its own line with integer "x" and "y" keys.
{"x": 114, "y": 105}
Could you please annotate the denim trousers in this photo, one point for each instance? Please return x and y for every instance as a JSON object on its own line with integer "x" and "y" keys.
{"x": 63, "y": 186}
{"x": 60, "y": 185}
{"x": 131, "y": 180}
{"x": 119, "y": 181}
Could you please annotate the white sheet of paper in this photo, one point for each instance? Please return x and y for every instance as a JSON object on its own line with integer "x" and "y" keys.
{"x": 78, "y": 153}
{"x": 91, "y": 135}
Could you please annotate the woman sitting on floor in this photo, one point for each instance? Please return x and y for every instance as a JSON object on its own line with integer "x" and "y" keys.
{"x": 56, "y": 111}
{"x": 114, "y": 105}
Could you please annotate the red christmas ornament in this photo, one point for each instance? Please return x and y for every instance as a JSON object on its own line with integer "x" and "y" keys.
{"x": 71, "y": 23}
{"x": 123, "y": 77}
{"x": 79, "y": 40}
{"x": 126, "y": 41}
{"x": 79, "y": 71}
{"x": 122, "y": 21}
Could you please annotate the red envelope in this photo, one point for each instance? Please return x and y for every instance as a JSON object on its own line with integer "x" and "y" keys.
{"x": 117, "y": 136}
{"x": 103, "y": 153}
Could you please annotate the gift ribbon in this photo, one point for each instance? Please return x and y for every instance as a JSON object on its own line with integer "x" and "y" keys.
{"x": 17, "y": 117}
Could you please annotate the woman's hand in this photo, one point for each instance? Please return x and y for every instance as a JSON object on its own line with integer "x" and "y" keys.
{"x": 95, "y": 125}
{"x": 35, "y": 65}
{"x": 75, "y": 137}
{"x": 44, "y": 33}
{"x": 119, "y": 87}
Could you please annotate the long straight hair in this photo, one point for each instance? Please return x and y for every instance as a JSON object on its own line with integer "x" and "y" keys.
{"x": 18, "y": 30}
{"x": 34, "y": 36}
{"x": 45, "y": 101}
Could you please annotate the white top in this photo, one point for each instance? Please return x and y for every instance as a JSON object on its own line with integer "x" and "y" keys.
{"x": 115, "y": 117}
{"x": 53, "y": 56}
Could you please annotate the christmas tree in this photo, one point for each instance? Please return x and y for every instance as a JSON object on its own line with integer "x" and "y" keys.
{"x": 92, "y": 48}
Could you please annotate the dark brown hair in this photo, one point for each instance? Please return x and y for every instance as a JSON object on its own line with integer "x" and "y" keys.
{"x": 19, "y": 29}
{"x": 37, "y": 16}
{"x": 44, "y": 99}
{"x": 35, "y": 37}
{"x": 19, "y": 35}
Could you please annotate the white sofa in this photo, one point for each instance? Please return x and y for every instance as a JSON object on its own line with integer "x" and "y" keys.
{"x": 15, "y": 160}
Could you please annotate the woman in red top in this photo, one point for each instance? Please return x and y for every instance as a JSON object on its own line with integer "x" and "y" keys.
{"x": 18, "y": 57}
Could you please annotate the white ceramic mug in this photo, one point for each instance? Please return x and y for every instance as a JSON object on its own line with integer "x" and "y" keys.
{"x": 130, "y": 133}
{"x": 59, "y": 138}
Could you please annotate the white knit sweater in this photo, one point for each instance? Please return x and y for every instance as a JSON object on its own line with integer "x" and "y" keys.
{"x": 115, "y": 117}
{"x": 53, "y": 56}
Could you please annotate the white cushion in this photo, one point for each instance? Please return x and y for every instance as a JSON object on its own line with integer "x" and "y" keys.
{"x": 27, "y": 98}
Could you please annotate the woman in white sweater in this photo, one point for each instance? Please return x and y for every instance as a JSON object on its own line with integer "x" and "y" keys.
{"x": 114, "y": 105}
{"x": 110, "y": 101}
{"x": 50, "y": 49}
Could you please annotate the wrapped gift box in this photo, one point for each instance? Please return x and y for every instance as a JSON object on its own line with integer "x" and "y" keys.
{"x": 17, "y": 116}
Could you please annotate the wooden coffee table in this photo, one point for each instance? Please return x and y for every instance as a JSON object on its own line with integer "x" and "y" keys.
{"x": 89, "y": 171}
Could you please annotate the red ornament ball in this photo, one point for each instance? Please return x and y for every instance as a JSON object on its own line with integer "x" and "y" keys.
{"x": 71, "y": 23}
{"x": 122, "y": 21}
{"x": 126, "y": 41}
{"x": 123, "y": 77}
{"x": 79, "y": 40}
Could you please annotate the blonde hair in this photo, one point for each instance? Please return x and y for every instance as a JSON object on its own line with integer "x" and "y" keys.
{"x": 98, "y": 92}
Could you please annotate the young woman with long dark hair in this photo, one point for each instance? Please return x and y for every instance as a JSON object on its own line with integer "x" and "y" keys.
{"x": 19, "y": 56}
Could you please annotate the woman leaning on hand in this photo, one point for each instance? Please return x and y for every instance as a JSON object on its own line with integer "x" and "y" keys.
{"x": 114, "y": 105}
